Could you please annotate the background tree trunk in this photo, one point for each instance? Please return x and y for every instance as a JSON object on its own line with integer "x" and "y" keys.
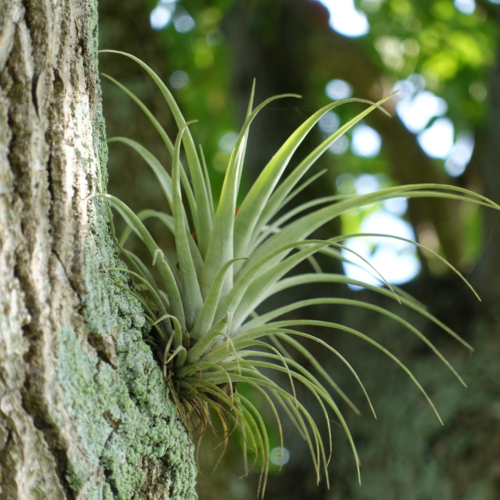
{"x": 83, "y": 412}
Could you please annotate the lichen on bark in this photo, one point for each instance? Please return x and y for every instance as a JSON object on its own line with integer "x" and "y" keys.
{"x": 123, "y": 419}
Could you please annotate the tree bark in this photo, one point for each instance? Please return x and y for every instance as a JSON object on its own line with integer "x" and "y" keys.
{"x": 83, "y": 410}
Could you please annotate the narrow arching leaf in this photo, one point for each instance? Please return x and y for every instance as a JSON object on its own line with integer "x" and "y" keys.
{"x": 418, "y": 245}
{"x": 317, "y": 366}
{"x": 305, "y": 225}
{"x": 301, "y": 188}
{"x": 234, "y": 297}
{"x": 221, "y": 248}
{"x": 207, "y": 313}
{"x": 165, "y": 138}
{"x": 275, "y": 227}
{"x": 252, "y": 296}
{"x": 258, "y": 196}
{"x": 152, "y": 161}
{"x": 207, "y": 181}
{"x": 191, "y": 293}
{"x": 168, "y": 221}
{"x": 165, "y": 271}
{"x": 206, "y": 341}
{"x": 158, "y": 302}
{"x": 203, "y": 219}
{"x": 348, "y": 302}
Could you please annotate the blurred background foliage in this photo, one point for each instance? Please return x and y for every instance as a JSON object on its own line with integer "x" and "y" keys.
{"x": 444, "y": 58}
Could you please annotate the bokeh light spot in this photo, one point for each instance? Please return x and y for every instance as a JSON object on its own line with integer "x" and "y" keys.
{"x": 366, "y": 141}
{"x": 227, "y": 142}
{"x": 366, "y": 184}
{"x": 329, "y": 122}
{"x": 465, "y": 6}
{"x": 395, "y": 260}
{"x": 345, "y": 183}
{"x": 416, "y": 113}
{"x": 215, "y": 38}
{"x": 395, "y": 206}
{"x": 220, "y": 161}
{"x": 461, "y": 154}
{"x": 184, "y": 23}
{"x": 340, "y": 146}
{"x": 437, "y": 140}
{"x": 338, "y": 89}
{"x": 179, "y": 79}
{"x": 346, "y": 19}
{"x": 275, "y": 456}
{"x": 160, "y": 16}
{"x": 478, "y": 91}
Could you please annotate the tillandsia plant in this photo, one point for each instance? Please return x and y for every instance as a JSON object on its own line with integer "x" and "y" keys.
{"x": 229, "y": 261}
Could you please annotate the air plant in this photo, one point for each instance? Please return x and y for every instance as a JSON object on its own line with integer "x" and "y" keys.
{"x": 229, "y": 261}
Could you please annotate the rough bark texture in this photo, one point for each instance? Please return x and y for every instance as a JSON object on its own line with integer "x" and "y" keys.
{"x": 83, "y": 412}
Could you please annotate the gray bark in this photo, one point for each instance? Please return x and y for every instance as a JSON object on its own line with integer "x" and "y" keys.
{"x": 83, "y": 411}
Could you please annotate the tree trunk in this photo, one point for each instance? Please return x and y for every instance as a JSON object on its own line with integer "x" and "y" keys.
{"x": 83, "y": 409}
